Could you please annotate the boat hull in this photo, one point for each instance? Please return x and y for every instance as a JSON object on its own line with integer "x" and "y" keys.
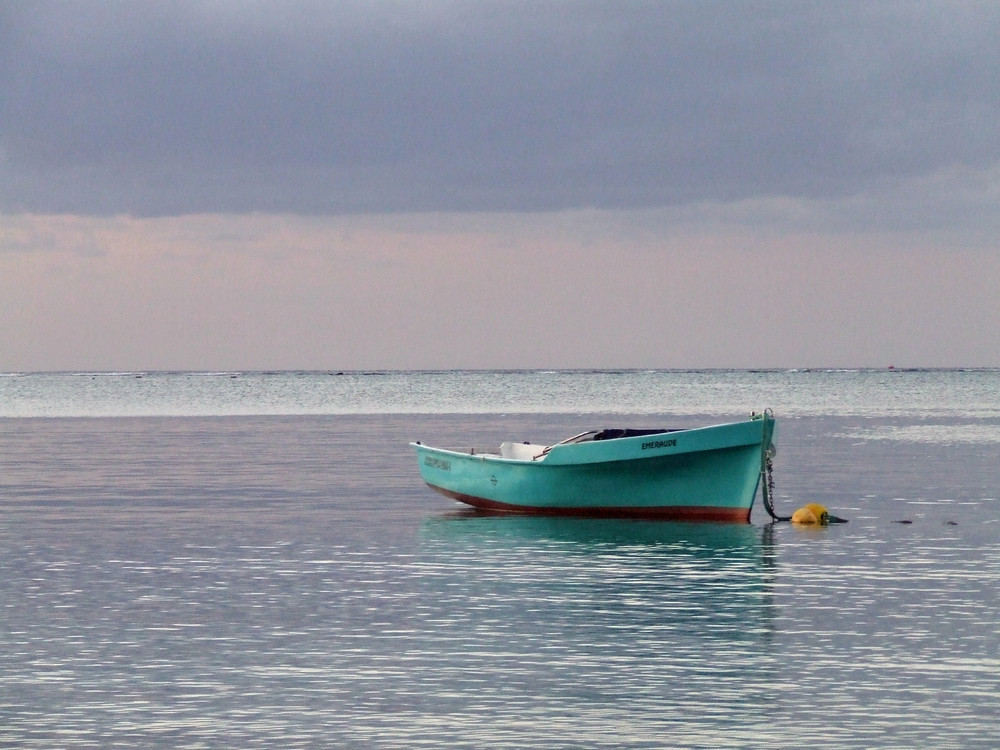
{"x": 708, "y": 474}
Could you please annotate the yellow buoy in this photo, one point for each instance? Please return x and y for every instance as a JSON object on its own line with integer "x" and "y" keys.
{"x": 813, "y": 513}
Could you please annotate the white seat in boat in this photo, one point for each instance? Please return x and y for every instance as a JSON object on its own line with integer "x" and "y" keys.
{"x": 520, "y": 451}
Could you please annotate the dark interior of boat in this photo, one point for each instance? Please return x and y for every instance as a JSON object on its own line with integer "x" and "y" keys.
{"x": 613, "y": 433}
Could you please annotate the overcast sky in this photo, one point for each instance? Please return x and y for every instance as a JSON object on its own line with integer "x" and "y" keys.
{"x": 211, "y": 185}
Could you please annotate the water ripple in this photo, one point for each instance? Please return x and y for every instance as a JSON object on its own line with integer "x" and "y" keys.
{"x": 318, "y": 608}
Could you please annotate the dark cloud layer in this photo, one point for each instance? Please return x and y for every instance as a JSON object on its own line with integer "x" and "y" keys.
{"x": 314, "y": 107}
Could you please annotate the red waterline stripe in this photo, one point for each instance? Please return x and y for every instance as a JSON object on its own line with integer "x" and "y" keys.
{"x": 662, "y": 512}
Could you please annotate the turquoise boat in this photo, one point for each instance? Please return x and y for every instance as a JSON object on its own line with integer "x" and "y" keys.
{"x": 705, "y": 474}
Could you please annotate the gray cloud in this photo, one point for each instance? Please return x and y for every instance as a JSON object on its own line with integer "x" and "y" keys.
{"x": 315, "y": 107}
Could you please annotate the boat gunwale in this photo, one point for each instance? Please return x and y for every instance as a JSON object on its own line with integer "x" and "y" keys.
{"x": 492, "y": 456}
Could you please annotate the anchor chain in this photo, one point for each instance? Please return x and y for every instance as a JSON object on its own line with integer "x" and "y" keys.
{"x": 767, "y": 483}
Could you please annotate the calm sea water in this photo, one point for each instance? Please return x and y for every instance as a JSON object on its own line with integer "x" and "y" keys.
{"x": 250, "y": 560}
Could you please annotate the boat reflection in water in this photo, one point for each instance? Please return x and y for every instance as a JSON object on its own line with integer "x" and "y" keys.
{"x": 651, "y": 582}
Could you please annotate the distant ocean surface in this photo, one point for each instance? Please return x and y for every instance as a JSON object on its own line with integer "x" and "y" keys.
{"x": 871, "y": 393}
{"x": 246, "y": 559}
